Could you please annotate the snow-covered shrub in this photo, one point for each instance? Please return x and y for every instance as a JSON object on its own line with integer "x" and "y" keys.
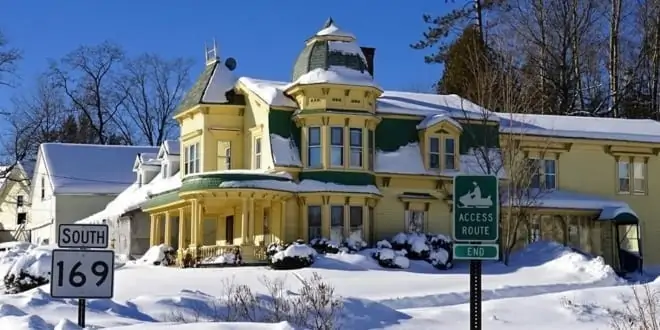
{"x": 433, "y": 248}
{"x": 161, "y": 254}
{"x": 290, "y": 256}
{"x": 389, "y": 258}
{"x": 354, "y": 244}
{"x": 29, "y": 270}
{"x": 324, "y": 245}
{"x": 227, "y": 258}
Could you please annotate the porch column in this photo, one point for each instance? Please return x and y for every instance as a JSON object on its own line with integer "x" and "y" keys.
{"x": 244, "y": 221}
{"x": 168, "y": 230}
{"x": 152, "y": 230}
{"x": 251, "y": 226}
{"x": 193, "y": 222}
{"x": 159, "y": 226}
{"x": 200, "y": 223}
{"x": 182, "y": 230}
{"x": 219, "y": 228}
{"x": 281, "y": 224}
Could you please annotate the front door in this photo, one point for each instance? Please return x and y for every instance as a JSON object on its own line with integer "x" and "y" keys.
{"x": 229, "y": 230}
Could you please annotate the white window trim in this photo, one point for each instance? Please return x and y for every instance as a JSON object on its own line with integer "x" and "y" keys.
{"x": 631, "y": 177}
{"x": 446, "y": 154}
{"x": 408, "y": 216}
{"x": 192, "y": 162}
{"x": 438, "y": 153}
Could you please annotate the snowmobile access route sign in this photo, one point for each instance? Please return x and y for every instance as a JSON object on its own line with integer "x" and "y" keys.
{"x": 476, "y": 208}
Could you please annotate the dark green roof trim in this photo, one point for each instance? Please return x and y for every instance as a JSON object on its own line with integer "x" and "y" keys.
{"x": 624, "y": 218}
{"x": 213, "y": 180}
{"x": 340, "y": 177}
{"x": 161, "y": 199}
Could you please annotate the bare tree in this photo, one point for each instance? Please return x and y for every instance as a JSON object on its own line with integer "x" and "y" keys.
{"x": 500, "y": 86}
{"x": 9, "y": 57}
{"x": 153, "y": 87}
{"x": 88, "y": 77}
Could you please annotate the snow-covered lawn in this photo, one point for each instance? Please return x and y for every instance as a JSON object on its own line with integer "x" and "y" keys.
{"x": 546, "y": 287}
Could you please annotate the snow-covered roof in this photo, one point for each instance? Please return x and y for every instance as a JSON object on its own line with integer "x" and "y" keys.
{"x": 640, "y": 130}
{"x": 569, "y": 200}
{"x": 435, "y": 119}
{"x": 332, "y": 30}
{"x": 90, "y": 168}
{"x": 271, "y": 92}
{"x": 172, "y": 147}
{"x": 222, "y": 80}
{"x": 408, "y": 160}
{"x": 284, "y": 150}
{"x": 335, "y": 75}
{"x": 133, "y": 196}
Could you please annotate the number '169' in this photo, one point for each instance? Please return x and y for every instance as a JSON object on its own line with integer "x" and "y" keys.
{"x": 76, "y": 278}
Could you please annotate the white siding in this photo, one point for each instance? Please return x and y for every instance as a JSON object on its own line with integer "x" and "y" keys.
{"x": 42, "y": 210}
{"x": 9, "y": 209}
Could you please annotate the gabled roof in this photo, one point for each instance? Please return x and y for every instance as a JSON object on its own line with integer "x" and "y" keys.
{"x": 146, "y": 158}
{"x": 90, "y": 168}
{"x": 169, "y": 147}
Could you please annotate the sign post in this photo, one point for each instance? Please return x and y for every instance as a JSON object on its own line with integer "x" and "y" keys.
{"x": 78, "y": 272}
{"x": 476, "y": 220}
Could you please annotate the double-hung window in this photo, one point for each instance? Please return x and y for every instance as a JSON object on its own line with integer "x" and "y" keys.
{"x": 314, "y": 148}
{"x": 314, "y": 222}
{"x": 337, "y": 146}
{"x": 442, "y": 153}
{"x": 337, "y": 223}
{"x": 191, "y": 159}
{"x": 543, "y": 174}
{"x": 257, "y": 153}
{"x": 356, "y": 147}
{"x": 631, "y": 176}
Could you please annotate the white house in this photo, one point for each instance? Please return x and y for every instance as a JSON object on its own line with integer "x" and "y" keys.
{"x": 152, "y": 173}
{"x": 73, "y": 181}
{"x": 14, "y": 203}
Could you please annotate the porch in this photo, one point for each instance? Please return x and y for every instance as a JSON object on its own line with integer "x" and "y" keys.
{"x": 204, "y": 226}
{"x": 611, "y": 232}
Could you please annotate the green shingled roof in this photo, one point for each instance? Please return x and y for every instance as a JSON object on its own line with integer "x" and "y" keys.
{"x": 196, "y": 92}
{"x": 318, "y": 55}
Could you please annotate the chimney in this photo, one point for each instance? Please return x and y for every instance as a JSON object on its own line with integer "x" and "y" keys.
{"x": 369, "y": 53}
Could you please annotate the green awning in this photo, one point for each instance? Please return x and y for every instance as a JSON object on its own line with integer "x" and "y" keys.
{"x": 623, "y": 215}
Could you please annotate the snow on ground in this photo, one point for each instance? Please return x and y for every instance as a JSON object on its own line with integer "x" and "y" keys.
{"x": 545, "y": 287}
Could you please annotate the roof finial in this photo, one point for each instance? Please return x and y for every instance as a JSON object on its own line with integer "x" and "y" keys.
{"x": 211, "y": 54}
{"x": 328, "y": 22}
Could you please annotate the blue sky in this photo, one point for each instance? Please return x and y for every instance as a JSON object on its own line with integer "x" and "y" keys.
{"x": 264, "y": 36}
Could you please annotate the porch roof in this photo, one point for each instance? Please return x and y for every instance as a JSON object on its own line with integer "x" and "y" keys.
{"x": 610, "y": 210}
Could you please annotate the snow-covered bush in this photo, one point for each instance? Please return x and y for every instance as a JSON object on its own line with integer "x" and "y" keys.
{"x": 433, "y": 248}
{"x": 290, "y": 256}
{"x": 389, "y": 258}
{"x": 324, "y": 245}
{"x": 29, "y": 270}
{"x": 161, "y": 254}
{"x": 227, "y": 258}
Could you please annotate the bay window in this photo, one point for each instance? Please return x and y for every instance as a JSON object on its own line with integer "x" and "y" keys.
{"x": 191, "y": 159}
{"x": 314, "y": 147}
{"x": 314, "y": 222}
{"x": 337, "y": 223}
{"x": 355, "y": 147}
{"x": 371, "y": 150}
{"x": 337, "y": 146}
{"x": 356, "y": 223}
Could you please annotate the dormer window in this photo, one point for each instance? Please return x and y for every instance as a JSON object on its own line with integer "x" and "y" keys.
{"x": 442, "y": 153}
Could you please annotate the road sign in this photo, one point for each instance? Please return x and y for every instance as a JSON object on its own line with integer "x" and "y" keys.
{"x": 476, "y": 251}
{"x": 82, "y": 236}
{"x": 476, "y": 208}
{"x": 83, "y": 274}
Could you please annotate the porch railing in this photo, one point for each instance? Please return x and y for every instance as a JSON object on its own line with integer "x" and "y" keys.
{"x": 207, "y": 253}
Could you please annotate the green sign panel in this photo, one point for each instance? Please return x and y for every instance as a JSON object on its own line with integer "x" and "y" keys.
{"x": 476, "y": 251}
{"x": 476, "y": 208}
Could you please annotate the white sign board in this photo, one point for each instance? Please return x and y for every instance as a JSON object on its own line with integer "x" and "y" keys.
{"x": 84, "y": 274}
{"x": 82, "y": 236}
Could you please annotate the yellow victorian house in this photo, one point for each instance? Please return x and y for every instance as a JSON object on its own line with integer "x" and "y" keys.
{"x": 331, "y": 154}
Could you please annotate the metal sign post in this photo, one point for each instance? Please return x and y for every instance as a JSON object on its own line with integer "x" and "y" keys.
{"x": 80, "y": 273}
{"x": 476, "y": 221}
